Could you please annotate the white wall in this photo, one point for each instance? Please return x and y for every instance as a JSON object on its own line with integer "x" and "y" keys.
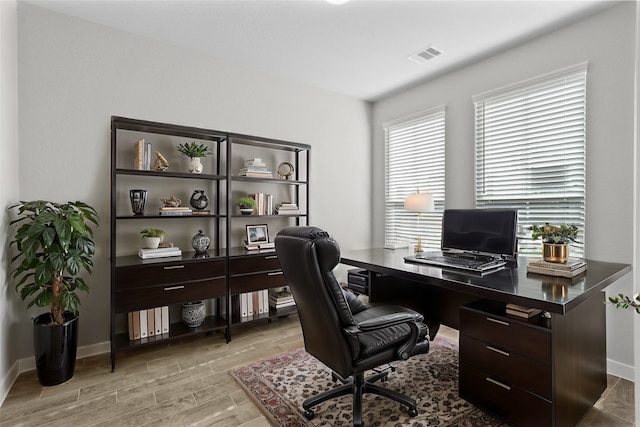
{"x": 11, "y": 318}
{"x": 607, "y": 42}
{"x": 74, "y": 75}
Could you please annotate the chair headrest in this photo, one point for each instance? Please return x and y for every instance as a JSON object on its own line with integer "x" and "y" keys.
{"x": 327, "y": 249}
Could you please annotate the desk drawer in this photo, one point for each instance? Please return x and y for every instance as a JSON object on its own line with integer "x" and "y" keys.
{"x": 156, "y": 296}
{"x": 507, "y": 401}
{"x": 510, "y": 367}
{"x": 256, "y": 282}
{"x": 507, "y": 334}
{"x": 167, "y": 273}
{"x": 254, "y": 264}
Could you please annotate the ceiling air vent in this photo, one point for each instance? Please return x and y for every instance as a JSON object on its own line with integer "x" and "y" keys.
{"x": 423, "y": 55}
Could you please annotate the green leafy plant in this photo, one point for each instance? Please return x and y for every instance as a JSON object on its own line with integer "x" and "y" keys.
{"x": 246, "y": 203}
{"x": 549, "y": 233}
{"x": 192, "y": 149}
{"x": 152, "y": 232}
{"x": 623, "y": 301}
{"x": 55, "y": 243}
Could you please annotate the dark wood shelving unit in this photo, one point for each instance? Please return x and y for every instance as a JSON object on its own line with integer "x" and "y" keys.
{"x": 226, "y": 270}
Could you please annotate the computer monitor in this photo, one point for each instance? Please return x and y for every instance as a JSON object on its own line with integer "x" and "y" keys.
{"x": 490, "y": 231}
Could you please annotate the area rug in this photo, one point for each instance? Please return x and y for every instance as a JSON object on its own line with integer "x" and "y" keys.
{"x": 280, "y": 384}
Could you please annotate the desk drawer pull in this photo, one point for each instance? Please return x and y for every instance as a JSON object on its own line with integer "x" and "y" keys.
{"x": 498, "y": 383}
{"x": 174, "y": 288}
{"x": 500, "y": 322}
{"x": 277, "y": 273}
{"x": 173, "y": 267}
{"x": 504, "y": 353}
{"x": 271, "y": 257}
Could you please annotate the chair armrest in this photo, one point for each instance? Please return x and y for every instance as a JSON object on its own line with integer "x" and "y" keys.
{"x": 387, "y": 320}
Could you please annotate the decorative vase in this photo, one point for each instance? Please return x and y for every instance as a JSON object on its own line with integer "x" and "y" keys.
{"x": 199, "y": 200}
{"x": 55, "y": 348}
{"x": 200, "y": 242}
{"x": 151, "y": 242}
{"x": 247, "y": 211}
{"x": 555, "y": 252}
{"x": 138, "y": 201}
{"x": 193, "y": 313}
{"x": 195, "y": 166}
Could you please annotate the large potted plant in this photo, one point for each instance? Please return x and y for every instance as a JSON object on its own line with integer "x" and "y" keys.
{"x": 55, "y": 245}
{"x": 555, "y": 240}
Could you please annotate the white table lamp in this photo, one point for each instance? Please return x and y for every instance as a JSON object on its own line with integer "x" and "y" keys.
{"x": 419, "y": 202}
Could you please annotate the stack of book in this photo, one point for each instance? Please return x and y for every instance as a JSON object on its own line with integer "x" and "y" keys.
{"x": 520, "y": 311}
{"x": 572, "y": 268}
{"x": 287, "y": 208}
{"x": 184, "y": 211}
{"x": 280, "y": 299}
{"x": 264, "y": 203}
{"x": 255, "y": 168}
{"x": 145, "y": 253}
{"x": 148, "y": 323}
{"x": 142, "y": 155}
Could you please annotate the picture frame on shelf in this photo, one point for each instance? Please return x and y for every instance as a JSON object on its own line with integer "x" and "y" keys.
{"x": 257, "y": 234}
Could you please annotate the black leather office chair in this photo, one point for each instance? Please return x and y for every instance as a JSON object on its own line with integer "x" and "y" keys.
{"x": 343, "y": 333}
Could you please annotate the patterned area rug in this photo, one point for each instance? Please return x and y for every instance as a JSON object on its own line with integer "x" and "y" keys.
{"x": 279, "y": 385}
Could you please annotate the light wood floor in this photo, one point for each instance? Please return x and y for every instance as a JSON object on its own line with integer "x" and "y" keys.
{"x": 187, "y": 383}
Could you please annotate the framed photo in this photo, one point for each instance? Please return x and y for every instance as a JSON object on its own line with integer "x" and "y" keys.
{"x": 257, "y": 234}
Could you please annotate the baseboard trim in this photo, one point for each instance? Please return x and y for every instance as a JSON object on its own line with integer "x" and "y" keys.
{"x": 8, "y": 380}
{"x": 621, "y": 370}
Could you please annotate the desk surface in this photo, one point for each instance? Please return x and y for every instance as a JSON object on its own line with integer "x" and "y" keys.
{"x": 510, "y": 285}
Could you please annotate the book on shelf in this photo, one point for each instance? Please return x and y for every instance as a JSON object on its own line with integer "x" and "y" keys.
{"x": 201, "y": 212}
{"x": 572, "y": 268}
{"x": 521, "y": 311}
{"x": 180, "y": 210}
{"x": 264, "y": 203}
{"x": 280, "y": 299}
{"x": 256, "y": 161}
{"x": 142, "y": 155}
{"x": 176, "y": 213}
{"x": 259, "y": 246}
{"x": 145, "y": 253}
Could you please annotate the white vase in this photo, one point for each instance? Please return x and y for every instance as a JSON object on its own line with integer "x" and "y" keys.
{"x": 195, "y": 166}
{"x": 151, "y": 242}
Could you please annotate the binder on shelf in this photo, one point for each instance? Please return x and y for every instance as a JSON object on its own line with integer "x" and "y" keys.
{"x": 151, "y": 324}
{"x": 136, "y": 325}
{"x": 144, "y": 332}
{"x": 243, "y": 305}
{"x": 130, "y": 324}
{"x": 265, "y": 300}
{"x": 157, "y": 312}
{"x": 165, "y": 319}
{"x": 256, "y": 303}
{"x": 249, "y": 304}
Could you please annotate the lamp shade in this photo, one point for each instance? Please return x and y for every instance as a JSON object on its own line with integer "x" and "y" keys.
{"x": 419, "y": 202}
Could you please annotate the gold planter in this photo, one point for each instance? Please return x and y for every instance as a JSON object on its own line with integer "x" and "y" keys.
{"x": 555, "y": 252}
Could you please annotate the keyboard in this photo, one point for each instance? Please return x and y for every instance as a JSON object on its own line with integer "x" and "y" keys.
{"x": 470, "y": 263}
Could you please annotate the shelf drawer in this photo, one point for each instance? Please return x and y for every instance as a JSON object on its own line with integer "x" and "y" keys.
{"x": 509, "y": 366}
{"x": 254, "y": 264}
{"x": 255, "y": 282}
{"x": 168, "y": 273}
{"x": 507, "y": 334}
{"x": 155, "y": 296}
{"x": 511, "y": 403}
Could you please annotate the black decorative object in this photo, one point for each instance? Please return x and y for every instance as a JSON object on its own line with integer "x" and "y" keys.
{"x": 193, "y": 313}
{"x": 138, "y": 201}
{"x": 199, "y": 200}
{"x": 200, "y": 242}
{"x": 55, "y": 348}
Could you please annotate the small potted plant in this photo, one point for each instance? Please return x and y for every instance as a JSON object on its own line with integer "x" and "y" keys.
{"x": 152, "y": 237}
{"x": 195, "y": 152}
{"x": 246, "y": 205}
{"x": 555, "y": 240}
{"x": 55, "y": 244}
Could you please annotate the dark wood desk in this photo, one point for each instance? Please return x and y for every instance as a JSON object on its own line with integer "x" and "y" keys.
{"x": 544, "y": 371}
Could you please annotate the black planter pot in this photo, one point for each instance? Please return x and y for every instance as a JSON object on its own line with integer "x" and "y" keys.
{"x": 55, "y": 348}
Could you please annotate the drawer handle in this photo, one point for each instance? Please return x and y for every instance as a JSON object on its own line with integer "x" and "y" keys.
{"x": 271, "y": 257}
{"x": 173, "y": 267}
{"x": 504, "y": 353}
{"x": 498, "y": 383}
{"x": 500, "y": 322}
{"x": 174, "y": 288}
{"x": 277, "y": 273}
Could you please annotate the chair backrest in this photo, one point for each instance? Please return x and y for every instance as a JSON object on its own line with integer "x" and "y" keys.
{"x": 308, "y": 256}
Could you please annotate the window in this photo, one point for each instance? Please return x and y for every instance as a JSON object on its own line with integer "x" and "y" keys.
{"x": 530, "y": 152}
{"x": 414, "y": 149}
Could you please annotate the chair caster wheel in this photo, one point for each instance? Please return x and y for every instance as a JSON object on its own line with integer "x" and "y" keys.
{"x": 309, "y": 414}
{"x": 412, "y": 413}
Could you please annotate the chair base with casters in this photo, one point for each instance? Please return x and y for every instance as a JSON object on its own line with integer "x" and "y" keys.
{"x": 347, "y": 336}
{"x": 358, "y": 385}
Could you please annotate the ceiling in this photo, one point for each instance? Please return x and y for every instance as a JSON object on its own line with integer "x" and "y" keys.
{"x": 359, "y": 49}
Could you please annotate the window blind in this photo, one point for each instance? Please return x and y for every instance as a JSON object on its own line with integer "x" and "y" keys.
{"x": 414, "y": 160}
{"x": 530, "y": 152}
